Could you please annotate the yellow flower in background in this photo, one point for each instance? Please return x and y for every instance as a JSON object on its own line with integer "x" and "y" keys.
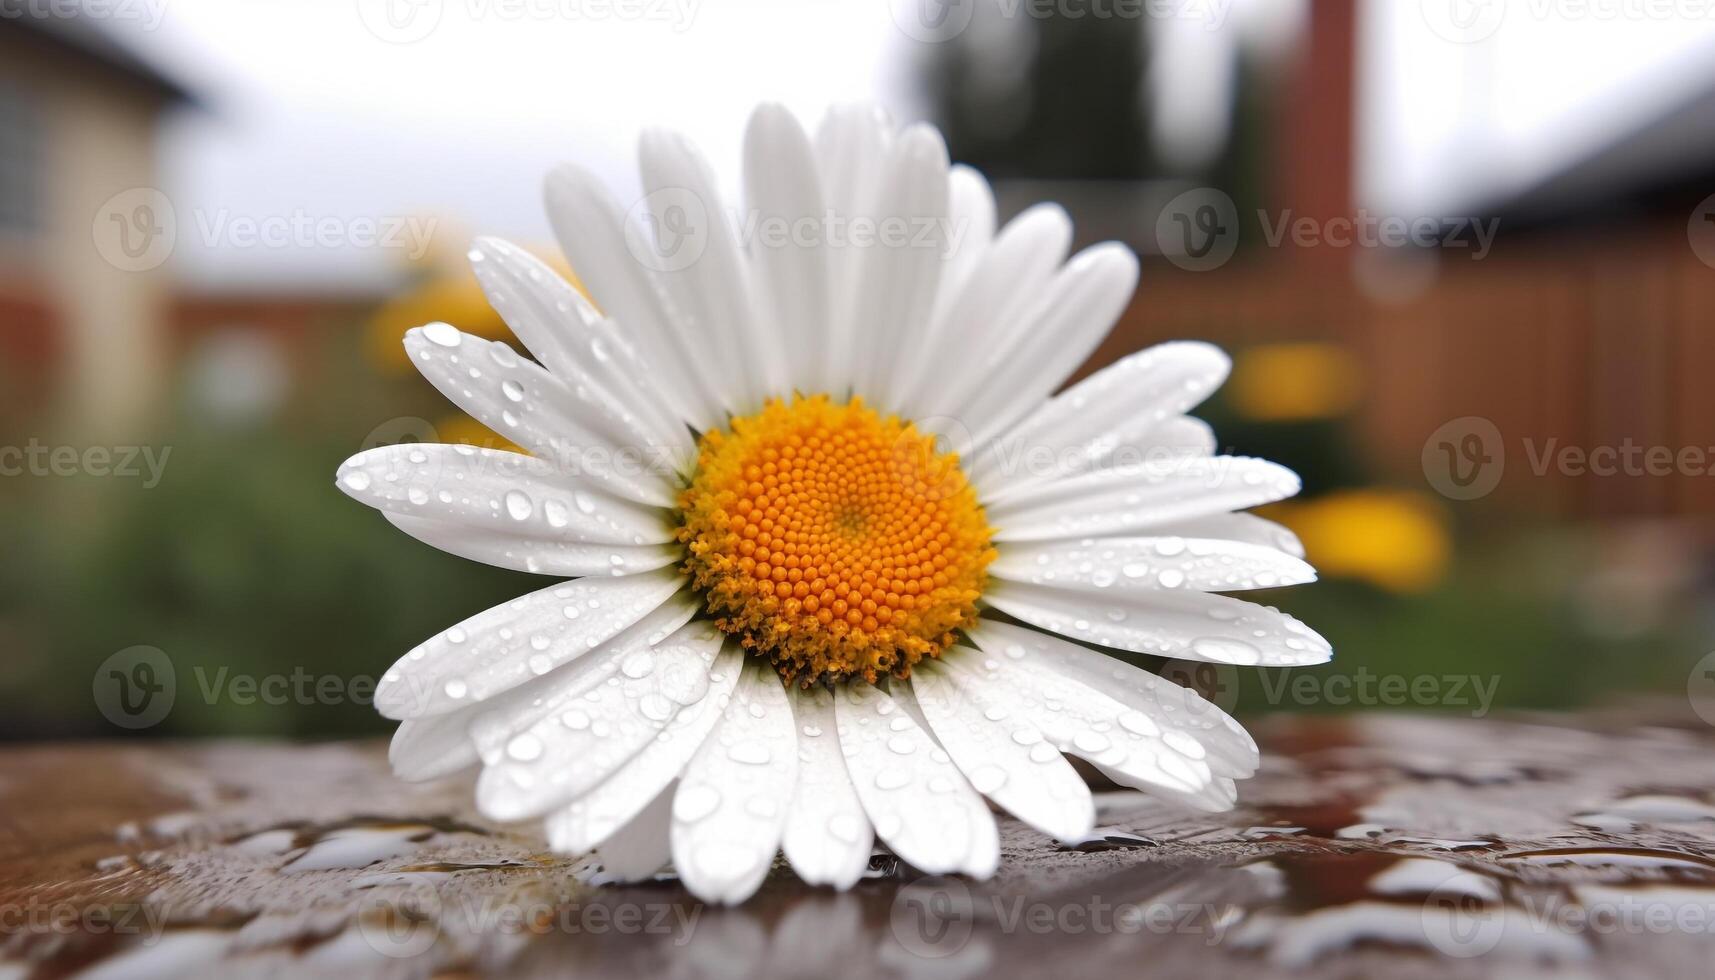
{"x": 447, "y": 291}
{"x": 1395, "y": 539}
{"x": 1294, "y": 382}
{"x": 462, "y": 430}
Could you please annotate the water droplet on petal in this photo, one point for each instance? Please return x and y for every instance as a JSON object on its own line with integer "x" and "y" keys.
{"x": 693, "y": 803}
{"x": 444, "y": 334}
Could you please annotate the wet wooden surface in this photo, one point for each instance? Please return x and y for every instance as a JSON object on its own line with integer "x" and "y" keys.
{"x": 1380, "y": 845}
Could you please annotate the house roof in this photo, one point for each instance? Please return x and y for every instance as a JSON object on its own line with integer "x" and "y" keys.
{"x": 89, "y": 39}
{"x": 1655, "y": 167}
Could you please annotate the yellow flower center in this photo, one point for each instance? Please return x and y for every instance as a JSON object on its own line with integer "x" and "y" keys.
{"x": 834, "y": 541}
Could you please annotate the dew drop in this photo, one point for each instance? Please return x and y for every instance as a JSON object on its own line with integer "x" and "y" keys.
{"x": 750, "y": 753}
{"x": 525, "y": 748}
{"x": 444, "y": 334}
{"x": 1224, "y": 650}
{"x": 519, "y": 506}
{"x": 693, "y": 803}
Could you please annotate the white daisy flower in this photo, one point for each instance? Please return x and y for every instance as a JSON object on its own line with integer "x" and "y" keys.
{"x": 795, "y": 622}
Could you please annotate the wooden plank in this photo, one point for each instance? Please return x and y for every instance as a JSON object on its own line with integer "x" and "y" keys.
{"x": 1380, "y": 845}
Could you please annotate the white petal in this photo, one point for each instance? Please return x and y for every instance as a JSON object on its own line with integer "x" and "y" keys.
{"x": 793, "y": 279}
{"x": 1082, "y": 721}
{"x": 432, "y": 747}
{"x": 594, "y": 235}
{"x": 851, "y": 151}
{"x": 1230, "y": 749}
{"x": 588, "y": 820}
{"x": 578, "y": 345}
{"x": 1002, "y": 754}
{"x": 1116, "y": 406}
{"x": 1171, "y": 562}
{"x": 1003, "y": 295}
{"x": 525, "y": 553}
{"x": 559, "y": 688}
{"x": 900, "y": 271}
{"x": 708, "y": 288}
{"x": 640, "y": 848}
{"x": 730, "y": 807}
{"x": 509, "y": 510}
{"x": 1138, "y": 498}
{"x": 502, "y": 491}
{"x": 1084, "y": 300}
{"x": 494, "y": 650}
{"x": 972, "y": 208}
{"x": 1167, "y": 623}
{"x": 586, "y": 739}
{"x": 534, "y": 409}
{"x": 435, "y": 745}
{"x": 1012, "y": 468}
{"x": 1247, "y": 528}
{"x": 920, "y": 803}
{"x": 851, "y": 144}
{"x": 828, "y": 838}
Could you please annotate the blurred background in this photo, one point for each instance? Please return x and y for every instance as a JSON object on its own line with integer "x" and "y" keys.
{"x": 1463, "y": 254}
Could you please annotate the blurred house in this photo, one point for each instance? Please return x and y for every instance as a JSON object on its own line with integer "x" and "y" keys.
{"x": 1587, "y": 327}
{"x": 84, "y": 304}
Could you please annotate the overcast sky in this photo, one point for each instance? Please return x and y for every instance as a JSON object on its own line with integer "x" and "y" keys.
{"x": 456, "y": 108}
